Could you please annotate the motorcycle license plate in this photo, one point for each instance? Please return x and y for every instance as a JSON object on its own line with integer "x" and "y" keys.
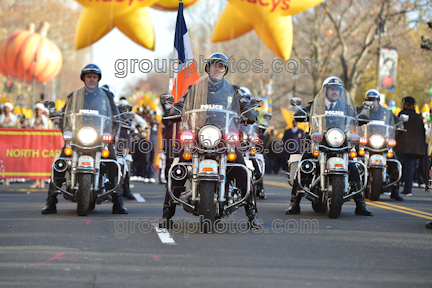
{"x": 208, "y": 166}
{"x": 86, "y": 161}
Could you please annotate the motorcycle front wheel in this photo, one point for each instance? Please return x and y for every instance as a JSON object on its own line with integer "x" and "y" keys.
{"x": 375, "y": 184}
{"x": 84, "y": 194}
{"x": 207, "y": 209}
{"x": 334, "y": 208}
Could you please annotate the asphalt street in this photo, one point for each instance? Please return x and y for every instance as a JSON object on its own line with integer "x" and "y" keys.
{"x": 391, "y": 249}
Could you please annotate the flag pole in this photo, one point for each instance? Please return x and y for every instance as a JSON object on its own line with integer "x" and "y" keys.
{"x": 175, "y": 96}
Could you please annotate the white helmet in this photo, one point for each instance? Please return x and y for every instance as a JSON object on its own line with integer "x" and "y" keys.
{"x": 332, "y": 81}
{"x": 246, "y": 91}
{"x": 122, "y": 102}
{"x": 372, "y": 94}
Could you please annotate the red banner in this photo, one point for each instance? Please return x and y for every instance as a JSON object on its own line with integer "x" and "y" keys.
{"x": 28, "y": 153}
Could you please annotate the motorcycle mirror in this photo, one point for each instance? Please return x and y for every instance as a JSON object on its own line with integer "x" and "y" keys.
{"x": 404, "y": 117}
{"x": 367, "y": 104}
{"x": 295, "y": 102}
{"x": 256, "y": 102}
{"x": 49, "y": 104}
{"x": 125, "y": 108}
{"x": 167, "y": 99}
{"x": 267, "y": 116}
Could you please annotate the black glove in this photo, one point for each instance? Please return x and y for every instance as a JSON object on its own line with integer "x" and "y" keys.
{"x": 251, "y": 117}
{"x": 175, "y": 112}
{"x": 363, "y": 119}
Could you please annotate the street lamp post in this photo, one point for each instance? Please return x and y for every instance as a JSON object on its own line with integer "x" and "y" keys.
{"x": 381, "y": 29}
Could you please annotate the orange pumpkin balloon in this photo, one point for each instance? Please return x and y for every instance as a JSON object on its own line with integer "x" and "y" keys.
{"x": 329, "y": 32}
{"x": 3, "y": 69}
{"x": 28, "y": 54}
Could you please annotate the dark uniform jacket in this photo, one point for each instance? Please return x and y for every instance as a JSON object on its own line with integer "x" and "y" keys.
{"x": 413, "y": 140}
{"x": 218, "y": 97}
{"x": 114, "y": 110}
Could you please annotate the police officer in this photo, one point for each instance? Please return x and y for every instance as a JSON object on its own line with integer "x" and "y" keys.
{"x": 379, "y": 113}
{"x": 260, "y": 192}
{"x": 124, "y": 139}
{"x": 150, "y": 155}
{"x": 216, "y": 67}
{"x": 90, "y": 75}
{"x": 334, "y": 88}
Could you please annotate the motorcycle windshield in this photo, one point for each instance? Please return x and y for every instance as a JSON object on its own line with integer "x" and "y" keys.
{"x": 381, "y": 121}
{"x": 208, "y": 104}
{"x": 333, "y": 107}
{"x": 86, "y": 109}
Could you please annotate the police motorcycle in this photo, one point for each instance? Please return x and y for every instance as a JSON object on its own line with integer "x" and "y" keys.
{"x": 376, "y": 150}
{"x": 253, "y": 154}
{"x": 324, "y": 177}
{"x": 208, "y": 134}
{"x": 82, "y": 175}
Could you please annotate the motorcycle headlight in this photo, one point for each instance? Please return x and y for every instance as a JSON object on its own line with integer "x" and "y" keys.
{"x": 87, "y": 136}
{"x": 335, "y": 137}
{"x": 376, "y": 141}
{"x": 209, "y": 136}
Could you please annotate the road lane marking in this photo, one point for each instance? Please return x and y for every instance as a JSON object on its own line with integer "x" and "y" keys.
{"x": 139, "y": 198}
{"x": 401, "y": 207}
{"x": 24, "y": 190}
{"x": 164, "y": 235}
{"x": 382, "y": 205}
{"x": 277, "y": 184}
{"x": 401, "y": 211}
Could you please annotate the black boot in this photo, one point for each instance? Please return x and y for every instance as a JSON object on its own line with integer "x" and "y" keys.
{"x": 261, "y": 191}
{"x": 429, "y": 225}
{"x": 126, "y": 190}
{"x": 118, "y": 207}
{"x": 396, "y": 195}
{"x": 361, "y": 206}
{"x": 169, "y": 209}
{"x": 294, "y": 207}
{"x": 50, "y": 207}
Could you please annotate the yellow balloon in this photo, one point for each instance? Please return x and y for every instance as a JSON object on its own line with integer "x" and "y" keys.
{"x": 397, "y": 111}
{"x": 425, "y": 108}
{"x": 130, "y": 16}
{"x": 28, "y": 113}
{"x": 152, "y": 105}
{"x": 304, "y": 126}
{"x": 172, "y": 5}
{"x": 59, "y": 104}
{"x": 18, "y": 110}
{"x": 417, "y": 109}
{"x": 270, "y": 19}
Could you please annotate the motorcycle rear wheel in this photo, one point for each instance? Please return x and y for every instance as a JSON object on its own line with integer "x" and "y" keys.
{"x": 338, "y": 189}
{"x": 84, "y": 194}
{"x": 207, "y": 208}
{"x": 375, "y": 184}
